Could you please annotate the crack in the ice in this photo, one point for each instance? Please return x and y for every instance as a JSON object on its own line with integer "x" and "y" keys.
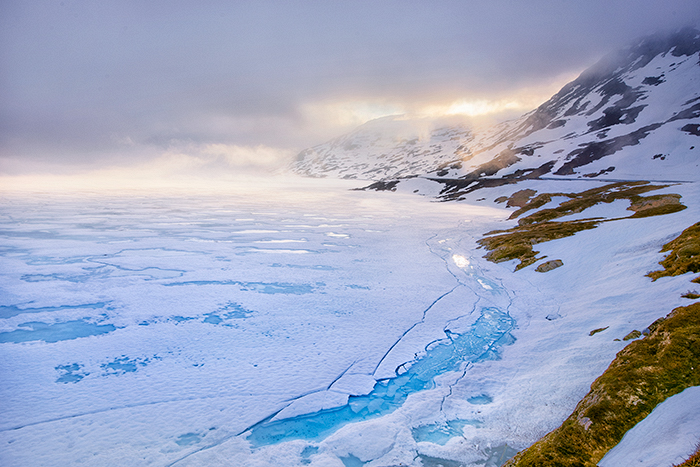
{"x": 264, "y": 420}
{"x": 340, "y": 375}
{"x": 314, "y": 391}
{"x": 493, "y": 345}
{"x": 422, "y": 320}
{"x": 481, "y": 294}
{"x": 108, "y": 409}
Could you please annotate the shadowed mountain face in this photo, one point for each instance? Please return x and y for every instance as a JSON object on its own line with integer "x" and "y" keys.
{"x": 633, "y": 115}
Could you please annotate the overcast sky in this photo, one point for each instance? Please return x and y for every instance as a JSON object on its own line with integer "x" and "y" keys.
{"x": 86, "y": 84}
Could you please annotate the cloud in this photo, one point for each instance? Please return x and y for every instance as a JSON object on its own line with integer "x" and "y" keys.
{"x": 210, "y": 158}
{"x": 85, "y": 84}
{"x": 181, "y": 167}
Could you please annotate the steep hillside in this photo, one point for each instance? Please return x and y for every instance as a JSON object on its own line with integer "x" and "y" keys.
{"x": 635, "y": 115}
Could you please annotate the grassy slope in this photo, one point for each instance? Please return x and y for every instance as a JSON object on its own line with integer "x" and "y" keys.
{"x": 643, "y": 374}
{"x": 540, "y": 226}
{"x": 684, "y": 255}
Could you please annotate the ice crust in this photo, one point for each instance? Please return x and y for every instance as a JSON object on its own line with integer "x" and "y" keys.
{"x": 212, "y": 345}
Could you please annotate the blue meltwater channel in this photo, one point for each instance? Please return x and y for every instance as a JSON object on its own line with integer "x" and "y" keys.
{"x": 479, "y": 343}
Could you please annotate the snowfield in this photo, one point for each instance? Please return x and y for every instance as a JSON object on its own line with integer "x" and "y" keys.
{"x": 305, "y": 325}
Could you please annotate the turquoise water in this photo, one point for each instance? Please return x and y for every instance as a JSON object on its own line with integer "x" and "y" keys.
{"x": 441, "y": 433}
{"x": 261, "y": 287}
{"x": 481, "y": 342}
{"x": 12, "y": 310}
{"x": 38, "y": 331}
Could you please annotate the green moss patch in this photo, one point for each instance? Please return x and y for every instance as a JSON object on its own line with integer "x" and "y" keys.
{"x": 540, "y": 226}
{"x": 643, "y": 375}
{"x": 517, "y": 243}
{"x": 655, "y": 205}
{"x": 520, "y": 198}
{"x": 579, "y": 202}
{"x": 596, "y": 331}
{"x": 684, "y": 255}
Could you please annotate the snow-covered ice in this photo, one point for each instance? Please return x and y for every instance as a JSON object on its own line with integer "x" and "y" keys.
{"x": 667, "y": 437}
{"x": 312, "y": 325}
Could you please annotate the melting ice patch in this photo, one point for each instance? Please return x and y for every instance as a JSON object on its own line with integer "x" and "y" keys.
{"x": 70, "y": 373}
{"x": 481, "y": 342}
{"x": 441, "y": 433}
{"x": 481, "y": 399}
{"x": 261, "y": 287}
{"x": 188, "y": 439}
{"x": 9, "y": 311}
{"x": 122, "y": 365}
{"x": 228, "y": 312}
{"x": 38, "y": 331}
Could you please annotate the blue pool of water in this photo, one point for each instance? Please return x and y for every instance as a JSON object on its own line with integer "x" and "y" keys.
{"x": 38, "y": 331}
{"x": 124, "y": 364}
{"x": 481, "y": 342}
{"x": 480, "y": 399}
{"x": 261, "y": 287}
{"x": 71, "y": 373}
{"x": 441, "y": 433}
{"x": 230, "y": 311}
{"x": 351, "y": 461}
{"x": 13, "y": 310}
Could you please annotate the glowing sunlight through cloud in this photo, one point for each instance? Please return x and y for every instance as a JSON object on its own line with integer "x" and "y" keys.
{"x": 344, "y": 114}
{"x": 348, "y": 113}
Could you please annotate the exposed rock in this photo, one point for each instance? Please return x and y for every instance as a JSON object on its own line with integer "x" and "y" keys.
{"x": 549, "y": 265}
{"x": 642, "y": 205}
{"x": 520, "y": 198}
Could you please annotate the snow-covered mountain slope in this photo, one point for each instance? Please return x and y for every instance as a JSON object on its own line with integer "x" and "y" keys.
{"x": 633, "y": 115}
{"x": 389, "y": 147}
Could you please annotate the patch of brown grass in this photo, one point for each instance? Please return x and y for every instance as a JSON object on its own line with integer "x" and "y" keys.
{"x": 517, "y": 243}
{"x": 520, "y": 198}
{"x": 655, "y": 205}
{"x": 684, "y": 254}
{"x": 579, "y": 202}
{"x": 540, "y": 226}
{"x": 643, "y": 375}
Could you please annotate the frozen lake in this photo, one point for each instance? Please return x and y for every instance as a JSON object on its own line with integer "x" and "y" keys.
{"x": 250, "y": 326}
{"x": 302, "y": 324}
